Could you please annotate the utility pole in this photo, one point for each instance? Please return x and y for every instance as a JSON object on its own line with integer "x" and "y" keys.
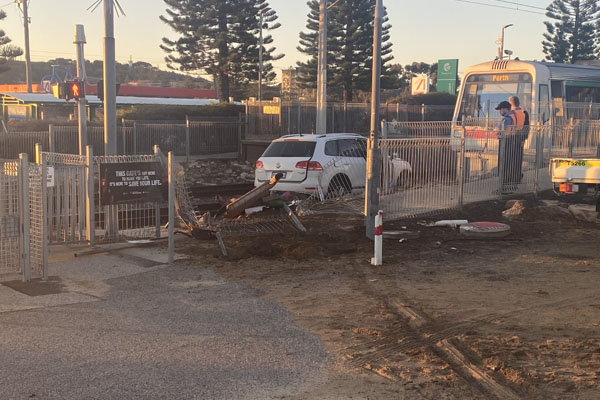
{"x": 79, "y": 41}
{"x": 321, "y": 126}
{"x": 260, "y": 57}
{"x": 373, "y": 157}
{"x": 27, "y": 53}
{"x": 110, "y": 81}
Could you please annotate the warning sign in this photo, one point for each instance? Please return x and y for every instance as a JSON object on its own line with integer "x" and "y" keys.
{"x": 132, "y": 182}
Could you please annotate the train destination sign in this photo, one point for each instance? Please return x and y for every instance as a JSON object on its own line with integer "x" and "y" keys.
{"x": 132, "y": 182}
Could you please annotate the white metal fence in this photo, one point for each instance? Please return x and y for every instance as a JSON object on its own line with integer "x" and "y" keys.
{"x": 22, "y": 250}
{"x": 424, "y": 174}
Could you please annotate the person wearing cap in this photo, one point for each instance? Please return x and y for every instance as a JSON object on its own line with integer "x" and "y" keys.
{"x": 504, "y": 108}
{"x": 509, "y": 152}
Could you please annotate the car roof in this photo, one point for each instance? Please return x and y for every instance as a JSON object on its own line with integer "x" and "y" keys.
{"x": 315, "y": 138}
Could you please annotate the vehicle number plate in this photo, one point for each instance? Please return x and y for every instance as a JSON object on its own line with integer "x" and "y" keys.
{"x": 278, "y": 172}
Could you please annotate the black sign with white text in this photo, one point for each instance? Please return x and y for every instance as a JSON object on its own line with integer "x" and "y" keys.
{"x": 132, "y": 182}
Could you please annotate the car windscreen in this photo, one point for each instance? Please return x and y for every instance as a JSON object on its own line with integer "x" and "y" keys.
{"x": 290, "y": 149}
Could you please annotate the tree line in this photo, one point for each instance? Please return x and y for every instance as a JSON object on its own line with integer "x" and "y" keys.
{"x": 220, "y": 38}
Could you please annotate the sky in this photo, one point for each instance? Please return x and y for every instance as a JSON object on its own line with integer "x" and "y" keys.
{"x": 422, "y": 30}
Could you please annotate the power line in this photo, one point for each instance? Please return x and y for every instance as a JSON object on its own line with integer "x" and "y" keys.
{"x": 521, "y": 5}
{"x": 7, "y": 4}
{"x": 495, "y": 6}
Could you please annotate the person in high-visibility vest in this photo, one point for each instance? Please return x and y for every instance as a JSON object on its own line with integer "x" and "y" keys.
{"x": 514, "y": 120}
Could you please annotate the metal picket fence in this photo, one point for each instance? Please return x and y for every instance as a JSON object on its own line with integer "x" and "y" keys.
{"x": 189, "y": 138}
{"x": 23, "y": 252}
{"x": 425, "y": 175}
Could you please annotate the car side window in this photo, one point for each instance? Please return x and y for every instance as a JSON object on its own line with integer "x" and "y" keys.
{"x": 352, "y": 148}
{"x": 331, "y": 148}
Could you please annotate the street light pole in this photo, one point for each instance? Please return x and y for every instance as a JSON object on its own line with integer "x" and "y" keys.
{"x": 79, "y": 41}
{"x": 260, "y": 56}
{"x": 501, "y": 46}
{"x": 321, "y": 126}
{"x": 27, "y": 52}
{"x": 373, "y": 157}
{"x": 110, "y": 81}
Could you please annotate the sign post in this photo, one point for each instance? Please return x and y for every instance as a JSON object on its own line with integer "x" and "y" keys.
{"x": 447, "y": 76}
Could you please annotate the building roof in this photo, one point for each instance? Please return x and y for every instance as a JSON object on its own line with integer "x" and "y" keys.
{"x": 121, "y": 100}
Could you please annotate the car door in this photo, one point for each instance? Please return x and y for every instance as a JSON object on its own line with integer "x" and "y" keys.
{"x": 352, "y": 160}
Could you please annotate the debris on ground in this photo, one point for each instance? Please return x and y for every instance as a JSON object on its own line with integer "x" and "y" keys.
{"x": 516, "y": 208}
{"x": 401, "y": 235}
{"x": 218, "y": 172}
{"x": 584, "y": 212}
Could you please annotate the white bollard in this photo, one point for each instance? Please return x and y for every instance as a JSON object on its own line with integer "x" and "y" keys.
{"x": 378, "y": 235}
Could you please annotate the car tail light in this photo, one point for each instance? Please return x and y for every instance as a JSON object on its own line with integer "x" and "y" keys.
{"x": 259, "y": 164}
{"x": 310, "y": 165}
{"x": 568, "y": 188}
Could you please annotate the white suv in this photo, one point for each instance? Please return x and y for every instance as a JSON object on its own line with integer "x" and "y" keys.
{"x": 331, "y": 164}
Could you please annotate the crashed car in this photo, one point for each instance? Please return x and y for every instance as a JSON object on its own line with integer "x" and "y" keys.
{"x": 333, "y": 163}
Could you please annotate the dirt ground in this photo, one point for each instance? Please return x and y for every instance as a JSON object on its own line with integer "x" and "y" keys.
{"x": 445, "y": 317}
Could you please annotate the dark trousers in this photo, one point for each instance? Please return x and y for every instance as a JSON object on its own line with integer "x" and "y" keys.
{"x": 511, "y": 159}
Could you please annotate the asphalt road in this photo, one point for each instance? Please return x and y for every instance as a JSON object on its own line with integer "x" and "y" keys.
{"x": 122, "y": 328}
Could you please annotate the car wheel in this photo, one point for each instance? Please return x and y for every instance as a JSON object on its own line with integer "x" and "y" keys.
{"x": 338, "y": 186}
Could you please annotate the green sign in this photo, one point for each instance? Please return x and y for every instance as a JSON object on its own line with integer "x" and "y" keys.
{"x": 447, "y": 75}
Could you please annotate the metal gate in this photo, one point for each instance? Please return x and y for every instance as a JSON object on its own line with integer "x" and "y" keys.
{"x": 66, "y": 192}
{"x": 23, "y": 251}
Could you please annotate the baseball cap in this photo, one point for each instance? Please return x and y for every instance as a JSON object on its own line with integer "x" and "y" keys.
{"x": 503, "y": 104}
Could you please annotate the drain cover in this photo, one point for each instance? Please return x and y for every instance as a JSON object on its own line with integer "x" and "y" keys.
{"x": 485, "y": 230}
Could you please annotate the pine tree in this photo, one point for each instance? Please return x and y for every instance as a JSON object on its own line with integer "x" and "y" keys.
{"x": 7, "y": 51}
{"x": 573, "y": 35}
{"x": 349, "y": 47}
{"x": 221, "y": 38}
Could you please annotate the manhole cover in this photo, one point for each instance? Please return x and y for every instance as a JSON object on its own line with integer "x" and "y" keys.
{"x": 485, "y": 230}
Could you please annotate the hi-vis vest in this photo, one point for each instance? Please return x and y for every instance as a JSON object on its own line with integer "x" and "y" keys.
{"x": 518, "y": 119}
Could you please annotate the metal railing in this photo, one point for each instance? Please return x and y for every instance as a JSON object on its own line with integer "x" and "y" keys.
{"x": 425, "y": 175}
{"x": 190, "y": 139}
{"x": 271, "y": 119}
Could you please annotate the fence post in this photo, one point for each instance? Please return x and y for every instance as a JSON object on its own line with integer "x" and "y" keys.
{"x": 23, "y": 174}
{"x": 461, "y": 168}
{"x": 90, "y": 210}
{"x": 51, "y": 139}
{"x": 537, "y": 158}
{"x": 289, "y": 115}
{"x": 187, "y": 139}
{"x": 299, "y": 128}
{"x": 422, "y": 112}
{"x": 345, "y": 116}
{"x": 397, "y": 111}
{"x": 332, "y": 117}
{"x": 384, "y": 129}
{"x": 123, "y": 135}
{"x": 44, "y": 219}
{"x": 158, "y": 157}
{"x": 171, "y": 208}
{"x": 134, "y": 137}
{"x": 501, "y": 161}
{"x": 239, "y": 133}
